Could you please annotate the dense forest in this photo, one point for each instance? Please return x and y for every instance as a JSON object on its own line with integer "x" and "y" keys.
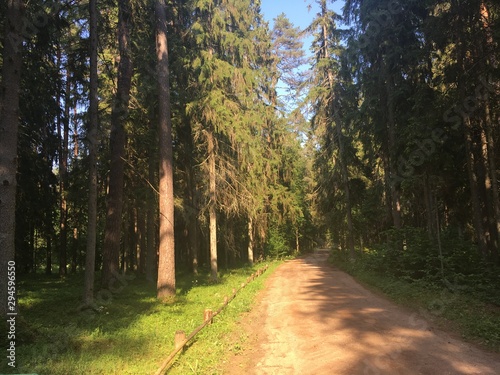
{"x": 185, "y": 135}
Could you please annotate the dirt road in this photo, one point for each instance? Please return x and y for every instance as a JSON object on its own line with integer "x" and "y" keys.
{"x": 313, "y": 319}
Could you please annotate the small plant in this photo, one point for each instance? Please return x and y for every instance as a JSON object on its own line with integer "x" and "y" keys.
{"x": 277, "y": 246}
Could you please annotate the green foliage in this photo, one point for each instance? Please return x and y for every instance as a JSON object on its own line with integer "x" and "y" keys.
{"x": 419, "y": 178}
{"x": 221, "y": 58}
{"x": 277, "y": 245}
{"x": 410, "y": 254}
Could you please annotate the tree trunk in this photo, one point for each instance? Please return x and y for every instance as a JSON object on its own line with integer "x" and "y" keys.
{"x": 151, "y": 253}
{"x": 494, "y": 181}
{"x": 250, "y": 240}
{"x": 166, "y": 253}
{"x": 141, "y": 231}
{"x": 212, "y": 206}
{"x": 195, "y": 244}
{"x": 124, "y": 247}
{"x": 297, "y": 240}
{"x": 48, "y": 261}
{"x": 473, "y": 182}
{"x": 9, "y": 129}
{"x": 88, "y": 294}
{"x": 489, "y": 199}
{"x": 75, "y": 133}
{"x": 63, "y": 177}
{"x": 193, "y": 218}
{"x": 335, "y": 108}
{"x": 33, "y": 254}
{"x": 428, "y": 206}
{"x": 33, "y": 238}
{"x": 132, "y": 234}
{"x": 391, "y": 132}
{"x": 347, "y": 192}
{"x": 117, "y": 141}
{"x": 76, "y": 248}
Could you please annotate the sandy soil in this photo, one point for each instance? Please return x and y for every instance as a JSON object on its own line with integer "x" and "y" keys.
{"x": 314, "y": 319}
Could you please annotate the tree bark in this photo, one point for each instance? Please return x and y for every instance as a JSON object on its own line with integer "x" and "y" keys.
{"x": 132, "y": 234}
{"x": 88, "y": 294}
{"x": 494, "y": 182}
{"x": 141, "y": 231}
{"x": 63, "y": 177}
{"x": 193, "y": 217}
{"x": 48, "y": 261}
{"x": 489, "y": 138}
{"x": 75, "y": 133}
{"x": 124, "y": 247}
{"x": 428, "y": 206}
{"x": 250, "y": 240}
{"x": 166, "y": 253}
{"x": 195, "y": 245}
{"x": 347, "y": 192}
{"x": 391, "y": 132}
{"x": 117, "y": 141}
{"x": 151, "y": 253}
{"x": 212, "y": 206}
{"x": 9, "y": 130}
{"x": 297, "y": 240}
{"x": 473, "y": 182}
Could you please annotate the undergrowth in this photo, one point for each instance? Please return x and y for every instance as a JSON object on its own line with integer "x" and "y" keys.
{"x": 462, "y": 295}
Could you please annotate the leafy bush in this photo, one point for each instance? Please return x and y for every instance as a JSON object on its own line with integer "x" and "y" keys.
{"x": 410, "y": 254}
{"x": 277, "y": 245}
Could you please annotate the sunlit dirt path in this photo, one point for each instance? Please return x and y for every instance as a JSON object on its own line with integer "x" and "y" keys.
{"x": 313, "y": 319}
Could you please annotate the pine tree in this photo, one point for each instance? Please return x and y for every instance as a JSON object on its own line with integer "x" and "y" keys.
{"x": 88, "y": 294}
{"x": 119, "y": 115}
{"x": 9, "y": 126}
{"x": 166, "y": 253}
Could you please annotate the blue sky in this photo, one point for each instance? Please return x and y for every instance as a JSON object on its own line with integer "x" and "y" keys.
{"x": 296, "y": 10}
{"x": 298, "y": 13}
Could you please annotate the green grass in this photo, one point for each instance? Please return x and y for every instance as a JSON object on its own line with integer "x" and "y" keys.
{"x": 449, "y": 306}
{"x": 131, "y": 334}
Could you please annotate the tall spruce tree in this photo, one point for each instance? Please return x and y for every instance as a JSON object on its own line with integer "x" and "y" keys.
{"x": 228, "y": 37}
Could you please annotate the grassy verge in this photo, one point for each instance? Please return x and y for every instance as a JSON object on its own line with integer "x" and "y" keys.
{"x": 216, "y": 343}
{"x": 132, "y": 333}
{"x": 450, "y": 306}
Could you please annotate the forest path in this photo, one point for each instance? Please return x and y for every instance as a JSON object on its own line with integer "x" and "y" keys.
{"x": 314, "y": 319}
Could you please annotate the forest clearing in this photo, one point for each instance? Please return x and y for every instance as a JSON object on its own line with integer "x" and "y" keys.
{"x": 156, "y": 155}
